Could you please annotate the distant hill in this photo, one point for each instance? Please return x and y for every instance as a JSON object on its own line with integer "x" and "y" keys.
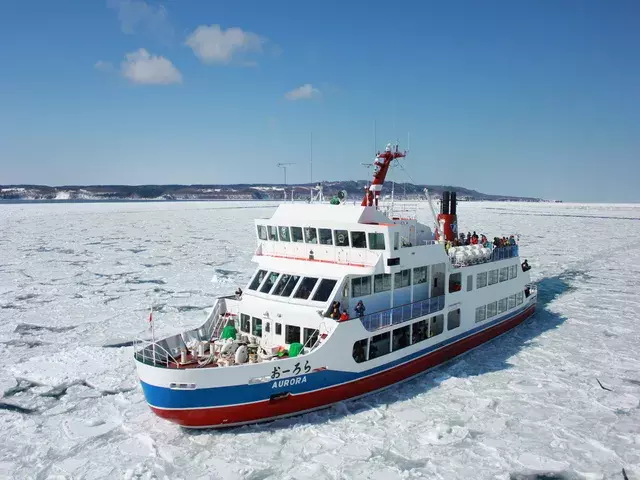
{"x": 257, "y": 191}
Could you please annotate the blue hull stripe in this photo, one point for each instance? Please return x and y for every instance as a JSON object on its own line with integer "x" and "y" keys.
{"x": 162, "y": 397}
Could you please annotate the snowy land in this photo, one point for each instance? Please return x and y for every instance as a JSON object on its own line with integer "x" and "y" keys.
{"x": 76, "y": 281}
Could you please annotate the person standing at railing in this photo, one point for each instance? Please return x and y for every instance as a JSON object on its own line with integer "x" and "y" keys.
{"x": 345, "y": 316}
{"x": 359, "y": 309}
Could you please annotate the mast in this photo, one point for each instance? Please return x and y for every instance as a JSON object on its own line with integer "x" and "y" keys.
{"x": 382, "y": 163}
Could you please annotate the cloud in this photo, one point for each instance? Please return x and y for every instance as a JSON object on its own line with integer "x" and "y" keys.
{"x": 138, "y": 17}
{"x": 305, "y": 92}
{"x": 143, "y": 68}
{"x": 211, "y": 44}
{"x": 106, "y": 67}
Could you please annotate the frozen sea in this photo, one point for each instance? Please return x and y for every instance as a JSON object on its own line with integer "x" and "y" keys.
{"x": 76, "y": 282}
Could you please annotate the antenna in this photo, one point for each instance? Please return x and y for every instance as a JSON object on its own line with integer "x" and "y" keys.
{"x": 284, "y": 167}
{"x": 375, "y": 146}
{"x": 311, "y": 158}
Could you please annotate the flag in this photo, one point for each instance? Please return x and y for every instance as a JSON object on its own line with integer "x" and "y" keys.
{"x": 151, "y": 319}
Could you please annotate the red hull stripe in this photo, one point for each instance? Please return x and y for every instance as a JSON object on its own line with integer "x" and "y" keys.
{"x": 298, "y": 403}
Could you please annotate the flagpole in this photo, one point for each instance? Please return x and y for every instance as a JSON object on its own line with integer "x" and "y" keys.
{"x": 153, "y": 334}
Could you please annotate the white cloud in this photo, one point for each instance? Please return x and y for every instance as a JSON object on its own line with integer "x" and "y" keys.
{"x": 214, "y": 45}
{"x": 137, "y": 16}
{"x": 304, "y": 92}
{"x": 144, "y": 68}
{"x": 102, "y": 66}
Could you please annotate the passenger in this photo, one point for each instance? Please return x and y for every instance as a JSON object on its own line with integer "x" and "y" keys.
{"x": 512, "y": 241}
{"x": 474, "y": 239}
{"x": 468, "y": 238}
{"x": 360, "y": 308}
{"x": 238, "y": 293}
{"x": 525, "y": 265}
{"x": 344, "y": 316}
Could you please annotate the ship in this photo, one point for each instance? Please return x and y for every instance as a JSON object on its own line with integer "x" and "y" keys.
{"x": 346, "y": 300}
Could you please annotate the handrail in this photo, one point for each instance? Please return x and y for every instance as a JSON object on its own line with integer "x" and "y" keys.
{"x": 139, "y": 353}
{"x": 498, "y": 253}
{"x": 402, "y": 313}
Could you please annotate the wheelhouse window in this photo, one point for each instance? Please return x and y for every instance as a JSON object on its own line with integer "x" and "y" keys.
{"x": 324, "y": 290}
{"x": 504, "y": 274}
{"x": 453, "y": 319}
{"x": 341, "y": 238}
{"x": 380, "y": 345}
{"x": 360, "y": 350}
{"x": 310, "y": 235}
{"x": 455, "y": 282}
{"x": 272, "y": 231}
{"x": 493, "y": 277}
{"x": 296, "y": 234}
{"x": 358, "y": 240}
{"x": 262, "y": 232}
{"x": 278, "y": 328}
{"x": 257, "y": 280}
{"x": 381, "y": 282}
{"x": 257, "y": 327}
{"x": 284, "y": 234}
{"x": 285, "y": 285}
{"x": 291, "y": 334}
{"x": 419, "y": 331}
{"x": 419, "y": 275}
{"x": 325, "y": 236}
{"x": 376, "y": 241}
{"x": 400, "y": 338}
{"x": 481, "y": 280}
{"x": 271, "y": 279}
{"x": 245, "y": 323}
{"x": 360, "y": 286}
{"x": 267, "y": 327}
{"x": 309, "y": 337}
{"x": 403, "y": 279}
{"x": 481, "y": 313}
{"x": 305, "y": 288}
{"x": 492, "y": 309}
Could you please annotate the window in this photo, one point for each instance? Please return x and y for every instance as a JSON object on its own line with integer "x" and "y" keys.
{"x": 419, "y": 331}
{"x": 245, "y": 323}
{"x": 504, "y": 274}
{"x": 380, "y": 345}
{"x": 403, "y": 279}
{"x": 400, "y": 338}
{"x": 271, "y": 279}
{"x": 285, "y": 285}
{"x": 310, "y": 235}
{"x": 492, "y": 309}
{"x": 453, "y": 319}
{"x": 341, "y": 238}
{"x": 267, "y": 327}
{"x": 360, "y": 350}
{"x": 520, "y": 298}
{"x": 502, "y": 305}
{"x": 481, "y": 313}
{"x": 291, "y": 334}
{"x": 513, "y": 271}
{"x": 262, "y": 232}
{"x": 360, "y": 286}
{"x": 284, "y": 234}
{"x": 257, "y": 327}
{"x": 481, "y": 280}
{"x": 273, "y": 232}
{"x": 469, "y": 283}
{"x": 324, "y": 290}
{"x": 257, "y": 280}
{"x": 310, "y": 337}
{"x": 306, "y": 286}
{"x": 512, "y": 301}
{"x": 296, "y": 234}
{"x": 358, "y": 240}
{"x": 436, "y": 325}
{"x": 455, "y": 282}
{"x": 325, "y": 236}
{"x": 419, "y": 275}
{"x": 381, "y": 282}
{"x": 376, "y": 241}
{"x": 278, "y": 328}
{"x": 493, "y": 277}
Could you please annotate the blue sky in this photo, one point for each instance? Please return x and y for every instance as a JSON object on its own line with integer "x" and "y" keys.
{"x": 537, "y": 98}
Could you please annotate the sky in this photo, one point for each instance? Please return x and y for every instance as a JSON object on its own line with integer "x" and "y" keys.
{"x": 534, "y": 98}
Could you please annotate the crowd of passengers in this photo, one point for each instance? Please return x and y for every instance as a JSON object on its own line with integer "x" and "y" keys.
{"x": 475, "y": 239}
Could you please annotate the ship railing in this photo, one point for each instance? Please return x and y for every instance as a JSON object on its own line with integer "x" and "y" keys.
{"x": 402, "y": 313}
{"x": 498, "y": 253}
{"x": 152, "y": 353}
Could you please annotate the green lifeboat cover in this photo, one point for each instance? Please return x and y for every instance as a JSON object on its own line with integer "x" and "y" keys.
{"x": 228, "y": 332}
{"x": 295, "y": 349}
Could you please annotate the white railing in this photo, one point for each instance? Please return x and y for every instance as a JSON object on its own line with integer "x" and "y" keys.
{"x": 403, "y": 313}
{"x": 318, "y": 252}
{"x": 152, "y": 353}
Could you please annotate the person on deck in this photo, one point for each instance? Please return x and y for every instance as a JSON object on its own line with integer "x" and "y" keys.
{"x": 360, "y": 308}
{"x": 525, "y": 265}
{"x": 344, "y": 316}
{"x": 238, "y": 293}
